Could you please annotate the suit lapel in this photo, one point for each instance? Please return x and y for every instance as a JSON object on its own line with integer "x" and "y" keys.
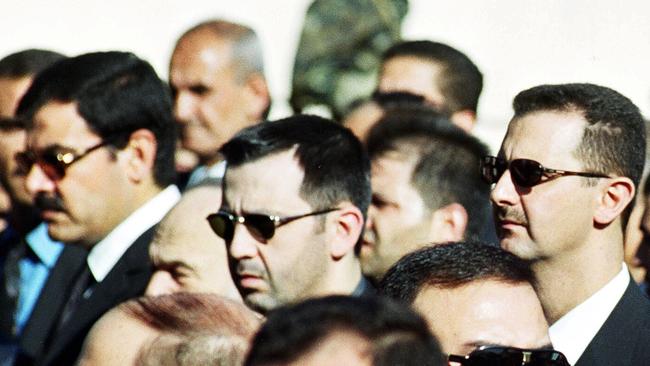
{"x": 616, "y": 341}
{"x": 51, "y": 300}
{"x": 127, "y": 279}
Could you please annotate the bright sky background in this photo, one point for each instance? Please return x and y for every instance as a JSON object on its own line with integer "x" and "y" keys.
{"x": 516, "y": 43}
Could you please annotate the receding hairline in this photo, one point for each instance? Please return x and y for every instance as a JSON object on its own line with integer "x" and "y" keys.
{"x": 245, "y": 53}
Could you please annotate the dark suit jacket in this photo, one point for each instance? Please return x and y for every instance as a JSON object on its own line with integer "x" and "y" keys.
{"x": 42, "y": 344}
{"x": 624, "y": 339}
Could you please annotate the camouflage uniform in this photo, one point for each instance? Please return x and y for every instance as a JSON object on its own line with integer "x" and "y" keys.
{"x": 340, "y": 50}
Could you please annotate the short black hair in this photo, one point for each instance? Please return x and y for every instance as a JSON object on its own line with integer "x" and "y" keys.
{"x": 397, "y": 335}
{"x": 461, "y": 81}
{"x": 614, "y": 141}
{"x": 453, "y": 265}
{"x": 27, "y": 62}
{"x": 335, "y": 163}
{"x": 446, "y": 160}
{"x": 385, "y": 100}
{"x": 116, "y": 93}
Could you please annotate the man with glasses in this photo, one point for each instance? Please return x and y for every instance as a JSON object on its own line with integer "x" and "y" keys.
{"x": 567, "y": 170}
{"x": 474, "y": 297}
{"x": 295, "y": 197}
{"x": 100, "y": 166}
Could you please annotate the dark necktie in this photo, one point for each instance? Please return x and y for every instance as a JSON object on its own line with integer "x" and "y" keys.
{"x": 81, "y": 290}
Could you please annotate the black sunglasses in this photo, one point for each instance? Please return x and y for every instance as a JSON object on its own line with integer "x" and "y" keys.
{"x": 261, "y": 226}
{"x": 510, "y": 356}
{"x": 53, "y": 163}
{"x": 524, "y": 172}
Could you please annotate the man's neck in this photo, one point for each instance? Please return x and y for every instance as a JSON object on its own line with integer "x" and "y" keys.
{"x": 345, "y": 279}
{"x": 568, "y": 280}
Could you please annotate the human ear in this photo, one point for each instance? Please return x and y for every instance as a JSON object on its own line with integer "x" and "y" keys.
{"x": 614, "y": 197}
{"x": 448, "y": 223}
{"x": 348, "y": 227}
{"x": 257, "y": 96}
{"x": 140, "y": 155}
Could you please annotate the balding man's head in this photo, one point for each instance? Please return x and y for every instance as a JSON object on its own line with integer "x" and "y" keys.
{"x": 187, "y": 255}
{"x": 217, "y": 76}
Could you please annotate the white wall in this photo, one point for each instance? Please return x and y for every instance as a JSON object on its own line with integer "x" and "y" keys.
{"x": 516, "y": 43}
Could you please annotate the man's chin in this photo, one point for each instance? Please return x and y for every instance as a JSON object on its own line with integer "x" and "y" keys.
{"x": 521, "y": 248}
{"x": 260, "y": 302}
{"x": 63, "y": 233}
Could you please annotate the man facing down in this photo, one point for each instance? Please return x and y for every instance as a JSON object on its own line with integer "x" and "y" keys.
{"x": 474, "y": 297}
{"x": 186, "y": 255}
{"x": 566, "y": 172}
{"x": 100, "y": 157}
{"x": 295, "y": 196}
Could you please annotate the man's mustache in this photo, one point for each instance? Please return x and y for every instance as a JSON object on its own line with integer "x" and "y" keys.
{"x": 512, "y": 214}
{"x": 44, "y": 201}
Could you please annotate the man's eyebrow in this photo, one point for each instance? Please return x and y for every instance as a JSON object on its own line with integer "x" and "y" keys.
{"x": 199, "y": 88}
{"x": 56, "y": 147}
{"x": 165, "y": 265}
{"x": 11, "y": 123}
{"x": 479, "y": 343}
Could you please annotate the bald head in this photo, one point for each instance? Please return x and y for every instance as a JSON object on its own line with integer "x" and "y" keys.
{"x": 217, "y": 76}
{"x": 186, "y": 254}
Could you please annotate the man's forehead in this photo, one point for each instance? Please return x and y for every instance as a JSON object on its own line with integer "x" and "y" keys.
{"x": 199, "y": 58}
{"x": 268, "y": 181}
{"x": 552, "y": 133}
{"x": 59, "y": 124}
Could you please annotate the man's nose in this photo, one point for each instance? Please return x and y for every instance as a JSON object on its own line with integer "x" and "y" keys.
{"x": 37, "y": 181}
{"x": 243, "y": 244}
{"x": 504, "y": 192}
{"x": 184, "y": 107}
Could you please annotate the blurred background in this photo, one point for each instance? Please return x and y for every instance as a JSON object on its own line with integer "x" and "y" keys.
{"x": 515, "y": 43}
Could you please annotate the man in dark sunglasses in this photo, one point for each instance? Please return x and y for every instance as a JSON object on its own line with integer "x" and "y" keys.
{"x": 472, "y": 294}
{"x": 99, "y": 164}
{"x": 563, "y": 180}
{"x": 295, "y": 196}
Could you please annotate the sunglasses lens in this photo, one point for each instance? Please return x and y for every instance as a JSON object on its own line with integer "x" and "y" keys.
{"x": 222, "y": 225}
{"x": 492, "y": 169}
{"x": 526, "y": 173}
{"x": 548, "y": 358}
{"x": 52, "y": 167}
{"x": 260, "y": 226}
{"x": 495, "y": 356}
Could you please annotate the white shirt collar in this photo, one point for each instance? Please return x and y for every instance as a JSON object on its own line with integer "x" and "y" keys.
{"x": 572, "y": 333}
{"x": 105, "y": 254}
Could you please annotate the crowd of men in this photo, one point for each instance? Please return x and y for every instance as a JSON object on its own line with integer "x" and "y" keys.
{"x": 393, "y": 237}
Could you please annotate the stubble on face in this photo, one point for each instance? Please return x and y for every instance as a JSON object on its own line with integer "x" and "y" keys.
{"x": 294, "y": 263}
